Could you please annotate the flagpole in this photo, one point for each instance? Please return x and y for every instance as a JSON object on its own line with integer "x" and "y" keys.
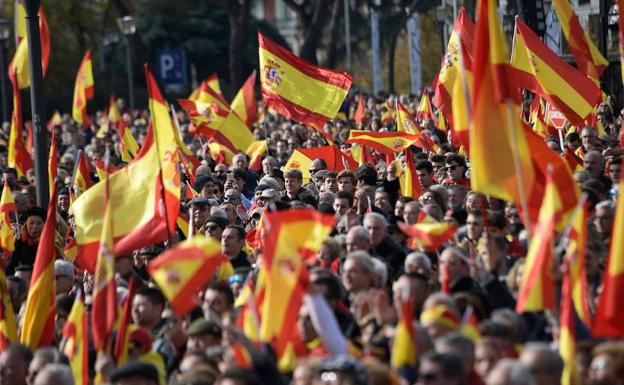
{"x": 512, "y": 126}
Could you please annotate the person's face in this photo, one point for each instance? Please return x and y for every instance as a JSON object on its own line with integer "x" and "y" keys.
{"x": 213, "y": 230}
{"x": 405, "y": 287}
{"x": 455, "y": 198}
{"x": 603, "y": 220}
{"x": 215, "y": 301}
{"x": 123, "y": 265}
{"x": 588, "y": 138}
{"x": 292, "y": 185}
{"x": 430, "y": 373}
{"x": 63, "y": 202}
{"x": 346, "y": 184}
{"x": 615, "y": 172}
{"x": 207, "y": 190}
{"x": 34, "y": 226}
{"x": 240, "y": 183}
{"x": 63, "y": 283}
{"x": 232, "y": 196}
{"x": 474, "y": 227}
{"x": 230, "y": 211}
{"x": 603, "y": 368}
{"x": 144, "y": 312}
{"x": 382, "y": 201}
{"x": 455, "y": 171}
{"x": 331, "y": 185}
{"x": 13, "y": 369}
{"x": 592, "y": 164}
{"x": 281, "y": 148}
{"x": 201, "y": 342}
{"x": 231, "y": 244}
{"x": 267, "y": 166}
{"x": 410, "y": 214}
{"x": 354, "y": 277}
{"x": 439, "y": 169}
{"x": 574, "y": 144}
{"x": 485, "y": 359}
{"x": 399, "y": 208}
{"x": 201, "y": 211}
{"x": 239, "y": 161}
{"x": 10, "y": 178}
{"x": 450, "y": 262}
{"x": 341, "y": 205}
{"x": 355, "y": 243}
{"x": 221, "y": 170}
{"x": 473, "y": 203}
{"x": 424, "y": 177}
{"x": 377, "y": 231}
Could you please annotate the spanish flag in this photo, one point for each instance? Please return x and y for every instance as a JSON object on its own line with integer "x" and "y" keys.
{"x": 460, "y": 41}
{"x": 587, "y": 56}
{"x": 81, "y": 180}
{"x": 404, "y": 120}
{"x": 360, "y": 111}
{"x": 83, "y": 91}
{"x": 103, "y": 170}
{"x": 336, "y": 160}
{"x": 543, "y": 72}
{"x": 609, "y": 318}
{"x": 255, "y": 152}
{"x": 424, "y": 110}
{"x": 575, "y": 259}
{"x": 7, "y": 206}
{"x": 104, "y": 307}
{"x": 410, "y": 185}
{"x": 291, "y": 238}
{"x": 404, "y": 350}
{"x": 40, "y": 312}
{"x": 183, "y": 270}
{"x": 431, "y": 235}
{"x": 567, "y": 332}
{"x": 8, "y": 321}
{"x": 220, "y": 154}
{"x": 387, "y": 143}
{"x": 470, "y": 325}
{"x": 17, "y": 157}
{"x": 211, "y": 82}
{"x": 461, "y": 103}
{"x": 496, "y": 134}
{"x": 52, "y": 162}
{"x": 129, "y": 146}
{"x": 297, "y": 89}
{"x": 537, "y": 291}
{"x": 76, "y": 342}
{"x": 244, "y": 103}
{"x": 19, "y": 64}
{"x": 55, "y": 120}
{"x": 122, "y": 341}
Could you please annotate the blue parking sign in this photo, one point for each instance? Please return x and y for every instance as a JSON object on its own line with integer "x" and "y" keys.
{"x": 171, "y": 67}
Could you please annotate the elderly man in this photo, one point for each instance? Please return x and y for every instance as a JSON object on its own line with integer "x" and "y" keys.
{"x": 411, "y": 212}
{"x": 64, "y": 276}
{"x": 382, "y": 243}
{"x": 544, "y": 363}
{"x": 239, "y": 161}
{"x": 413, "y": 285}
{"x": 603, "y": 220}
{"x": 358, "y": 238}
{"x": 358, "y": 272}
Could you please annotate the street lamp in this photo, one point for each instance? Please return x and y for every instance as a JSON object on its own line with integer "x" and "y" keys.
{"x": 5, "y": 33}
{"x": 127, "y": 26}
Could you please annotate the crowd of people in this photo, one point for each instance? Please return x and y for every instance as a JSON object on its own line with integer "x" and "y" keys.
{"x": 360, "y": 276}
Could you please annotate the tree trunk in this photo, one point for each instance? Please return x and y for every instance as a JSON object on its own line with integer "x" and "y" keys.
{"x": 391, "y": 49}
{"x": 334, "y": 29}
{"x": 314, "y": 32}
{"x": 239, "y": 20}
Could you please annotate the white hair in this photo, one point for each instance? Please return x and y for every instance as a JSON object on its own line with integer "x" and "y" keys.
{"x": 381, "y": 271}
{"x": 416, "y": 256}
{"x": 359, "y": 232}
{"x": 376, "y": 217}
{"x": 60, "y": 373}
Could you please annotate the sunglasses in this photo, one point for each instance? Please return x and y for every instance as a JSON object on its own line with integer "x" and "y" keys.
{"x": 451, "y": 168}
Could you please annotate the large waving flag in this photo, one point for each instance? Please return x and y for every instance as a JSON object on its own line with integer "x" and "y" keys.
{"x": 587, "y": 56}
{"x": 543, "y": 72}
{"x": 19, "y": 64}
{"x": 424, "y": 110}
{"x": 129, "y": 146}
{"x": 461, "y": 103}
{"x": 8, "y": 321}
{"x": 460, "y": 41}
{"x": 17, "y": 157}
{"x": 537, "y": 291}
{"x": 7, "y": 206}
{"x": 244, "y": 103}
{"x": 83, "y": 91}
{"x": 146, "y": 192}
{"x": 211, "y": 82}
{"x": 182, "y": 271}
{"x": 104, "y": 306}
{"x": 404, "y": 354}
{"x": 255, "y": 152}
{"x": 387, "y": 143}
{"x": 297, "y": 89}
{"x": 291, "y": 237}
{"x": 76, "y": 342}
{"x": 40, "y": 312}
{"x": 496, "y": 135}
{"x": 609, "y": 318}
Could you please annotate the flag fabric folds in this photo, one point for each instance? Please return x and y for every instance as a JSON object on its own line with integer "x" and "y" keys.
{"x": 40, "y": 311}
{"x": 7, "y": 206}
{"x": 567, "y": 332}
{"x": 336, "y": 160}
{"x": 52, "y": 162}
{"x": 543, "y": 72}
{"x": 81, "y": 180}
{"x": 587, "y": 56}
{"x": 83, "y": 91}
{"x": 387, "y": 143}
{"x": 496, "y": 137}
{"x": 575, "y": 259}
{"x": 360, "y": 111}
{"x": 609, "y": 317}
{"x": 76, "y": 342}
{"x": 8, "y": 321}
{"x": 122, "y": 340}
{"x": 429, "y": 234}
{"x": 255, "y": 151}
{"x": 404, "y": 349}
{"x": 409, "y": 182}
{"x": 19, "y": 64}
{"x": 297, "y": 89}
{"x": 17, "y": 157}
{"x": 181, "y": 271}
{"x": 244, "y": 103}
{"x": 129, "y": 146}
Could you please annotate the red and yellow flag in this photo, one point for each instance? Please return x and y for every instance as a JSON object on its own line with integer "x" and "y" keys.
{"x": 40, "y": 312}
{"x": 103, "y": 170}
{"x": 122, "y": 340}
{"x": 104, "y": 306}
{"x": 336, "y": 160}
{"x": 460, "y": 41}
{"x": 81, "y": 180}
{"x": 587, "y": 56}
{"x": 410, "y": 185}
{"x": 76, "y": 342}
{"x": 543, "y": 72}
{"x": 282, "y": 77}
{"x": 430, "y": 235}
{"x": 470, "y": 325}
{"x": 211, "y": 82}
{"x": 255, "y": 152}
{"x": 567, "y": 332}
{"x": 609, "y": 318}
{"x": 8, "y": 321}
{"x": 83, "y": 91}
{"x": 496, "y": 135}
{"x": 55, "y": 120}
{"x": 7, "y": 206}
{"x": 291, "y": 237}
{"x": 17, "y": 157}
{"x": 575, "y": 259}
{"x": 461, "y": 103}
{"x": 537, "y": 291}
{"x": 387, "y": 143}
{"x": 129, "y": 146}
{"x": 52, "y": 162}
{"x": 244, "y": 103}
{"x": 182, "y": 271}
{"x": 404, "y": 120}
{"x": 404, "y": 349}
{"x": 19, "y": 64}
{"x": 424, "y": 110}
{"x": 360, "y": 111}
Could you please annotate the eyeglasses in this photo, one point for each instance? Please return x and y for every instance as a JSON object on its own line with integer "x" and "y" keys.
{"x": 451, "y": 168}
